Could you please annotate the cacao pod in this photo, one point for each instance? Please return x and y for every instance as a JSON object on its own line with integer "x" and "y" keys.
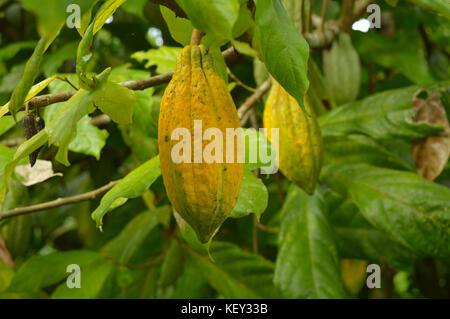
{"x": 204, "y": 194}
{"x": 342, "y": 70}
{"x": 300, "y": 141}
{"x": 30, "y": 130}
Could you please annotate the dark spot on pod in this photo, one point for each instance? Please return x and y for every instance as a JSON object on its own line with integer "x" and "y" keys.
{"x": 40, "y": 124}
{"x": 166, "y": 138}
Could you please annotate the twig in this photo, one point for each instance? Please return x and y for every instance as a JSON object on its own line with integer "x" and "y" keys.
{"x": 240, "y": 83}
{"x": 300, "y": 26}
{"x": 254, "y": 98}
{"x": 58, "y": 202}
{"x": 172, "y": 5}
{"x": 346, "y": 18}
{"x": 308, "y": 17}
{"x": 324, "y": 15}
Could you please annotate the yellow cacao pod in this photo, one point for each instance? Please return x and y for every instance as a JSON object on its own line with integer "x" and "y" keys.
{"x": 299, "y": 140}
{"x": 204, "y": 193}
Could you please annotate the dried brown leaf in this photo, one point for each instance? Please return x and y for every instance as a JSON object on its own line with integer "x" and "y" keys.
{"x": 431, "y": 153}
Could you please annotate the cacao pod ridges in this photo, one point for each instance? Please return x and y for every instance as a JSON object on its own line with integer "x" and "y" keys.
{"x": 204, "y": 194}
{"x": 300, "y": 141}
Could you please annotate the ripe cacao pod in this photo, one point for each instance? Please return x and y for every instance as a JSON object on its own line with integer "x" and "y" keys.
{"x": 300, "y": 141}
{"x": 342, "y": 70}
{"x": 204, "y": 194}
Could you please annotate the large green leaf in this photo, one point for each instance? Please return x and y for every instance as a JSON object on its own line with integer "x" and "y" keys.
{"x": 384, "y": 115}
{"x": 358, "y": 239}
{"x": 283, "y": 49}
{"x": 117, "y": 102}
{"x": 131, "y": 186}
{"x": 123, "y": 246}
{"x": 307, "y": 263}
{"x": 180, "y": 28}
{"x": 359, "y": 148}
{"x": 411, "y": 210}
{"x": 42, "y": 271}
{"x": 214, "y": 17}
{"x": 236, "y": 273}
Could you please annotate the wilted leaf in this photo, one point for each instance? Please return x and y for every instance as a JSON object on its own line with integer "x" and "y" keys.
{"x": 41, "y": 171}
{"x": 431, "y": 153}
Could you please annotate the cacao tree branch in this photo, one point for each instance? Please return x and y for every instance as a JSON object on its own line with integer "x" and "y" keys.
{"x": 47, "y": 99}
{"x": 254, "y": 98}
{"x": 58, "y": 202}
{"x": 172, "y": 5}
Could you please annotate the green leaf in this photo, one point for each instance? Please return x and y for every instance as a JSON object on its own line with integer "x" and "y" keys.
{"x": 10, "y": 50}
{"x": 29, "y": 76}
{"x": 22, "y": 151}
{"x": 93, "y": 277}
{"x": 6, "y": 275}
{"x": 283, "y": 50}
{"x": 52, "y": 15}
{"x": 180, "y": 28}
{"x": 107, "y": 10}
{"x": 164, "y": 58}
{"x": 52, "y": 61}
{"x": 253, "y": 196}
{"x": 236, "y": 274}
{"x": 90, "y": 139}
{"x": 131, "y": 186}
{"x": 358, "y": 239}
{"x": 214, "y": 17}
{"x": 172, "y": 265}
{"x": 135, "y": 7}
{"x": 42, "y": 271}
{"x": 307, "y": 265}
{"x": 219, "y": 64}
{"x": 411, "y": 210}
{"x": 384, "y": 115}
{"x": 402, "y": 53}
{"x": 358, "y": 148}
{"x": 35, "y": 90}
{"x": 62, "y": 129}
{"x": 117, "y": 102}
{"x": 244, "y": 48}
{"x": 123, "y": 246}
{"x": 244, "y": 21}
{"x": 440, "y": 6}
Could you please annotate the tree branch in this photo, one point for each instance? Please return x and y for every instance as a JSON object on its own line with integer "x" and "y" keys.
{"x": 253, "y": 99}
{"x": 58, "y": 202}
{"x": 44, "y": 100}
{"x": 172, "y": 5}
